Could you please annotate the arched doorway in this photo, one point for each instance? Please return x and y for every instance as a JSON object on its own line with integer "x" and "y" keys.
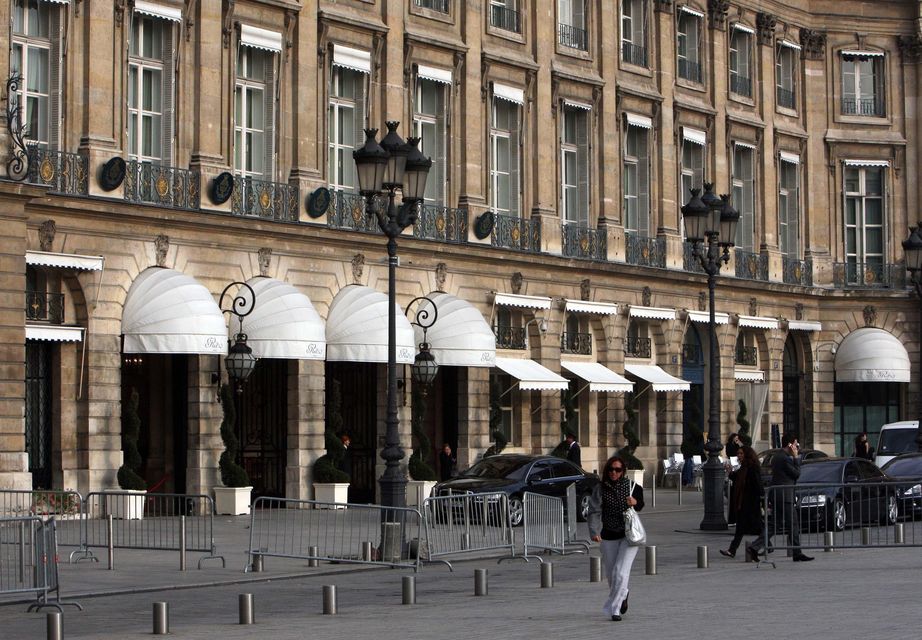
{"x": 693, "y": 371}
{"x": 791, "y": 389}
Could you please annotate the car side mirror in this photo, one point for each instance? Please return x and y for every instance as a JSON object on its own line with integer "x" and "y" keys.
{"x": 851, "y": 478}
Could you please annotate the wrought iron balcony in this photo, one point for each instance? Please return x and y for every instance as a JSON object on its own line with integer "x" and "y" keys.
{"x": 746, "y": 356}
{"x": 796, "y": 271}
{"x": 513, "y": 232}
{"x": 584, "y": 242}
{"x": 637, "y": 348}
{"x": 572, "y": 37}
{"x": 60, "y": 171}
{"x": 436, "y": 5}
{"x": 509, "y": 337}
{"x": 644, "y": 251}
{"x": 506, "y": 19}
{"x": 873, "y": 275}
{"x": 691, "y": 354}
{"x": 872, "y": 106}
{"x": 689, "y": 261}
{"x": 689, "y": 70}
{"x": 444, "y": 224}
{"x": 161, "y": 185}
{"x": 750, "y": 265}
{"x": 272, "y": 200}
{"x": 578, "y": 343}
{"x": 45, "y": 307}
{"x": 741, "y": 85}
{"x": 347, "y": 211}
{"x": 785, "y": 97}
{"x": 634, "y": 54}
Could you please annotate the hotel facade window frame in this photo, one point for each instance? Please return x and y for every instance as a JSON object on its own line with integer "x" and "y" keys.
{"x": 574, "y": 163}
{"x": 787, "y": 76}
{"x": 862, "y": 84}
{"x": 689, "y": 31}
{"x": 743, "y": 183}
{"x": 741, "y": 61}
{"x": 573, "y": 25}
{"x": 864, "y": 219}
{"x": 255, "y": 108}
{"x": 691, "y": 166}
{"x": 789, "y": 233}
{"x": 506, "y": 151}
{"x": 347, "y": 98}
{"x": 634, "y": 45}
{"x": 636, "y": 169}
{"x": 151, "y": 89}
{"x": 506, "y": 16}
{"x": 431, "y": 108}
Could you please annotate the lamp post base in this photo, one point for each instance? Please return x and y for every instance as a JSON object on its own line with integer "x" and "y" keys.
{"x": 714, "y": 478}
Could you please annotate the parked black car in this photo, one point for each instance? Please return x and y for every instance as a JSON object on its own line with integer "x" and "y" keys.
{"x": 907, "y": 467}
{"x": 765, "y": 460}
{"x": 846, "y": 491}
{"x": 514, "y": 474}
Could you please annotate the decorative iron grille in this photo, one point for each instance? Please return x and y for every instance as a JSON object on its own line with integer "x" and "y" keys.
{"x": 272, "y": 200}
{"x": 584, "y": 242}
{"x": 60, "y": 171}
{"x": 689, "y": 260}
{"x": 347, "y": 211}
{"x": 637, "y": 348}
{"x": 506, "y": 19}
{"x": 634, "y": 54}
{"x": 862, "y": 106}
{"x": 689, "y": 70}
{"x": 741, "y": 85}
{"x": 577, "y": 343}
{"x": 161, "y": 185}
{"x": 444, "y": 224}
{"x": 436, "y": 5}
{"x": 750, "y": 265}
{"x": 45, "y": 307}
{"x": 785, "y": 97}
{"x": 513, "y": 232}
{"x": 747, "y": 356}
{"x": 39, "y": 412}
{"x": 860, "y": 275}
{"x": 797, "y": 271}
{"x": 644, "y": 251}
{"x": 509, "y": 337}
{"x": 572, "y": 37}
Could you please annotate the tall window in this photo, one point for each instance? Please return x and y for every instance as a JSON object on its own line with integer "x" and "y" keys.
{"x": 429, "y": 118}
{"x": 504, "y": 14}
{"x": 346, "y": 119}
{"x": 862, "y": 84}
{"x": 740, "y": 69}
{"x": 744, "y": 196}
{"x": 574, "y": 150}
{"x": 636, "y": 171}
{"x": 254, "y": 113}
{"x": 571, "y": 27}
{"x": 633, "y": 32}
{"x": 150, "y": 89}
{"x": 789, "y": 209}
{"x": 35, "y": 54}
{"x": 504, "y": 158}
{"x": 687, "y": 47}
{"x": 864, "y": 222}
{"x": 503, "y": 393}
{"x": 786, "y": 75}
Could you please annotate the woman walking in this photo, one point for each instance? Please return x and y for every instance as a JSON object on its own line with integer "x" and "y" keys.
{"x": 610, "y": 498}
{"x": 746, "y": 499}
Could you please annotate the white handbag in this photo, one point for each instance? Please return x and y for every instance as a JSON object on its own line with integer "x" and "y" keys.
{"x": 634, "y": 532}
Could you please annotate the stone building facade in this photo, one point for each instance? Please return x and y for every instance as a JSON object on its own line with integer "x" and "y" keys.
{"x": 212, "y": 138}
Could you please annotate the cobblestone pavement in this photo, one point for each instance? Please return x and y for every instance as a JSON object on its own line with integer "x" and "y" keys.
{"x": 842, "y": 594}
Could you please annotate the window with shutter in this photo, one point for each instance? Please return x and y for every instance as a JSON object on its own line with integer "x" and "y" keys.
{"x": 861, "y": 85}
{"x": 864, "y": 218}
{"x": 504, "y": 161}
{"x": 254, "y": 105}
{"x": 582, "y": 166}
{"x": 35, "y": 53}
{"x": 636, "y": 182}
{"x": 744, "y": 196}
{"x": 150, "y": 89}
{"x": 691, "y": 170}
{"x": 346, "y": 121}
{"x": 788, "y": 210}
{"x": 429, "y": 124}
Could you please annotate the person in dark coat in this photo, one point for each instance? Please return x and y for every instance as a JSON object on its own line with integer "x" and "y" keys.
{"x": 733, "y": 445}
{"x": 573, "y": 450}
{"x": 447, "y": 462}
{"x": 746, "y": 499}
{"x": 863, "y": 448}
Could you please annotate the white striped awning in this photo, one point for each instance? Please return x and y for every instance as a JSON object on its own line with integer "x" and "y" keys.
{"x": 866, "y": 163}
{"x": 789, "y": 44}
{"x": 435, "y": 74}
{"x": 64, "y": 260}
{"x": 531, "y": 375}
{"x": 158, "y": 10}
{"x": 652, "y": 313}
{"x": 259, "y": 38}
{"x": 657, "y": 377}
{"x": 705, "y": 317}
{"x": 744, "y": 145}
{"x": 587, "y": 306}
{"x": 804, "y": 325}
{"x": 58, "y": 1}
{"x": 599, "y": 377}
{"x": 741, "y": 27}
{"x": 54, "y": 333}
{"x": 509, "y": 94}
{"x": 577, "y": 105}
{"x": 872, "y": 355}
{"x": 695, "y": 136}
{"x": 636, "y": 120}
{"x": 694, "y": 12}
{"x": 861, "y": 54}
{"x": 758, "y": 322}
{"x": 787, "y": 156}
{"x": 522, "y": 301}
{"x": 459, "y": 336}
{"x": 748, "y": 375}
{"x": 349, "y": 58}
{"x": 356, "y": 327}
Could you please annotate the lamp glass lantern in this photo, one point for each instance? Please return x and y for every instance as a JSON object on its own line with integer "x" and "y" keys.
{"x": 424, "y": 367}
{"x": 397, "y": 152}
{"x": 714, "y": 205}
{"x": 729, "y": 221}
{"x": 417, "y": 171}
{"x": 371, "y": 164}
{"x": 912, "y": 247}
{"x": 239, "y": 361}
{"x": 695, "y": 214}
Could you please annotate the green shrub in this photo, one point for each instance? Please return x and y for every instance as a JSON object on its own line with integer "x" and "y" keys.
{"x": 128, "y": 477}
{"x": 327, "y": 467}
{"x": 418, "y": 464}
{"x": 232, "y": 474}
{"x": 743, "y": 423}
{"x": 631, "y": 440}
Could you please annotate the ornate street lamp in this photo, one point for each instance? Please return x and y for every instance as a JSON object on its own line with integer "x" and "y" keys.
{"x": 384, "y": 168}
{"x": 424, "y": 367}
{"x": 239, "y": 361}
{"x": 912, "y": 248}
{"x": 712, "y": 220}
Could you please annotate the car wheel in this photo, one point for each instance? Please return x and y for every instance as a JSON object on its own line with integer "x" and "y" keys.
{"x": 837, "y": 517}
{"x": 583, "y": 511}
{"x": 892, "y": 511}
{"x": 516, "y": 511}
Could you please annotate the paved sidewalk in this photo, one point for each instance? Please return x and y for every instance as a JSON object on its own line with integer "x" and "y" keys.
{"x": 847, "y": 594}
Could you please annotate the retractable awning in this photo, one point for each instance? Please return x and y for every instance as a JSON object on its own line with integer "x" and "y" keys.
{"x": 459, "y": 337}
{"x": 531, "y": 375}
{"x": 522, "y": 301}
{"x": 64, "y": 260}
{"x": 54, "y": 333}
{"x": 599, "y": 377}
{"x": 169, "y": 312}
{"x": 872, "y": 355}
{"x": 356, "y": 328}
{"x": 748, "y": 375}
{"x": 283, "y": 323}
{"x": 658, "y": 379}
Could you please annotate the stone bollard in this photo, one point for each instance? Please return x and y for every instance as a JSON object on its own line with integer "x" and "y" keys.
{"x": 257, "y": 565}
{"x": 595, "y": 569}
{"x": 366, "y": 551}
{"x": 547, "y": 575}
{"x": 54, "y": 628}
{"x": 329, "y": 599}
{"x": 702, "y": 557}
{"x": 828, "y": 541}
{"x": 409, "y": 589}
{"x": 314, "y": 561}
{"x": 245, "y": 608}
{"x": 481, "y": 588}
{"x": 898, "y": 537}
{"x": 161, "y": 618}
{"x": 651, "y": 560}
{"x": 182, "y": 543}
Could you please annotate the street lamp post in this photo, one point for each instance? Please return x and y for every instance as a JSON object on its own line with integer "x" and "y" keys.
{"x": 709, "y": 218}
{"x": 239, "y": 361}
{"x": 382, "y": 169}
{"x": 912, "y": 247}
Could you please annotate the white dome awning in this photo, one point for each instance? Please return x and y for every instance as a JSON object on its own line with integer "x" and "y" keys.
{"x": 872, "y": 355}
{"x": 283, "y": 323}
{"x": 459, "y": 337}
{"x": 169, "y": 312}
{"x": 356, "y": 328}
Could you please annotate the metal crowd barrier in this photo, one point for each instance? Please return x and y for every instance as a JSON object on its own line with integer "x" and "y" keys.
{"x": 543, "y": 524}
{"x": 462, "y": 523}
{"x": 29, "y": 561}
{"x": 65, "y": 506}
{"x": 312, "y": 530}
{"x": 843, "y": 516}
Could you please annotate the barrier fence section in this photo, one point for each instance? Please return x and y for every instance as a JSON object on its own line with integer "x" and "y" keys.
{"x": 29, "y": 560}
{"x": 849, "y": 515}
{"x": 334, "y": 532}
{"x": 461, "y": 523}
{"x": 543, "y": 524}
{"x": 65, "y": 506}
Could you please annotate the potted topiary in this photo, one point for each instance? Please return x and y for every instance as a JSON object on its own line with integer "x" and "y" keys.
{"x": 234, "y": 497}
{"x": 331, "y": 483}
{"x": 499, "y": 443}
{"x": 743, "y": 423}
{"x": 631, "y": 442}
{"x": 421, "y": 472}
{"x": 129, "y": 507}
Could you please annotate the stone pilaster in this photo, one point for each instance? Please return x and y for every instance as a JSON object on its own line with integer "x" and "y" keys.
{"x": 205, "y": 415}
{"x": 306, "y": 424}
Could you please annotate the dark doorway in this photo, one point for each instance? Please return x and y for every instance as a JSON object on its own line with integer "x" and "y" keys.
{"x": 358, "y": 386}
{"x": 792, "y": 377}
{"x": 864, "y": 407}
{"x": 262, "y": 426}
{"x": 39, "y": 422}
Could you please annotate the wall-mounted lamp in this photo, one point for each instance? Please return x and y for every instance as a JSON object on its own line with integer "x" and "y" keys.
{"x": 239, "y": 360}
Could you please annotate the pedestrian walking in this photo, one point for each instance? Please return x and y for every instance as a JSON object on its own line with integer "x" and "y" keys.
{"x": 746, "y": 499}
{"x": 733, "y": 445}
{"x": 447, "y": 462}
{"x": 610, "y": 499}
{"x": 573, "y": 450}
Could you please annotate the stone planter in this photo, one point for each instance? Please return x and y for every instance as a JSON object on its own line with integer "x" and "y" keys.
{"x": 125, "y": 505}
{"x": 232, "y": 501}
{"x": 337, "y": 492}
{"x": 418, "y": 491}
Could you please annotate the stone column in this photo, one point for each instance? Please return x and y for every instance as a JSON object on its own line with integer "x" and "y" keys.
{"x": 473, "y": 415}
{"x": 14, "y": 464}
{"x": 815, "y": 169}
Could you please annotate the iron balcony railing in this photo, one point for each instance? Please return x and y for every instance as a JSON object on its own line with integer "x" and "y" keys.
{"x": 750, "y": 265}
{"x": 506, "y": 19}
{"x": 509, "y": 337}
{"x": 272, "y": 200}
{"x": 785, "y": 97}
{"x": 436, "y": 5}
{"x": 644, "y": 251}
{"x": 637, "y": 347}
{"x": 873, "y": 106}
{"x": 634, "y": 54}
{"x": 577, "y": 343}
{"x": 572, "y": 37}
{"x": 741, "y": 85}
{"x": 161, "y": 185}
{"x": 444, "y": 224}
{"x": 794, "y": 271}
{"x": 60, "y": 171}
{"x": 872, "y": 275}
{"x": 45, "y": 307}
{"x": 691, "y": 354}
{"x": 347, "y": 211}
{"x": 513, "y": 232}
{"x": 689, "y": 261}
{"x": 689, "y": 70}
{"x": 746, "y": 356}
{"x": 584, "y": 242}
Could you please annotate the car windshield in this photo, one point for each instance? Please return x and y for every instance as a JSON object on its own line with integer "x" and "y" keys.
{"x": 894, "y": 441}
{"x": 904, "y": 467}
{"x": 820, "y": 472}
{"x": 498, "y": 467}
